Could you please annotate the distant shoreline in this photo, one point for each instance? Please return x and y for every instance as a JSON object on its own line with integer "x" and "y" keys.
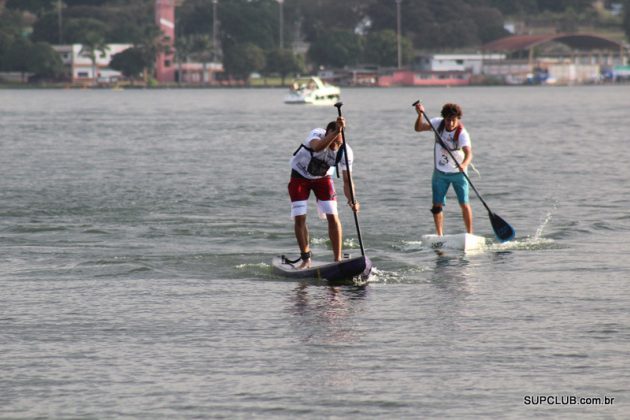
{"x": 67, "y": 86}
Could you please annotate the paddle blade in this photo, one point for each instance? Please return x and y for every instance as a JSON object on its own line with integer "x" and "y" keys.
{"x": 502, "y": 229}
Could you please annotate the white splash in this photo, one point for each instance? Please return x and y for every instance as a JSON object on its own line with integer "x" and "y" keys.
{"x": 539, "y": 232}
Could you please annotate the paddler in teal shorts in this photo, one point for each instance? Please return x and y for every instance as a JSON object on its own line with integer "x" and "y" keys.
{"x": 446, "y": 172}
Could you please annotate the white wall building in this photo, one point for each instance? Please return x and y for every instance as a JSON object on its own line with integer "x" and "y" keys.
{"x": 80, "y": 65}
{"x": 455, "y": 62}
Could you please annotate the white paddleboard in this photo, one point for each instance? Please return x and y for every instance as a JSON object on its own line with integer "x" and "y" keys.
{"x": 461, "y": 241}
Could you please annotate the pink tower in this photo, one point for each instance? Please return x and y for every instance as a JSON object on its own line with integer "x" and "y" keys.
{"x": 165, "y": 20}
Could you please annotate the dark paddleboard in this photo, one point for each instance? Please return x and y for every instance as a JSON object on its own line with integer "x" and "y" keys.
{"x": 347, "y": 269}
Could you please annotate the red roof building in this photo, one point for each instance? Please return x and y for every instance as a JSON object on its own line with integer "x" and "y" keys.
{"x": 578, "y": 58}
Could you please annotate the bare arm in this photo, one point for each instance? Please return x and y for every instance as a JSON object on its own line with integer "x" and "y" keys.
{"x": 420, "y": 125}
{"x": 468, "y": 155}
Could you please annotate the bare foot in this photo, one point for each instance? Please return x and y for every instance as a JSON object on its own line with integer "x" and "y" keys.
{"x": 305, "y": 264}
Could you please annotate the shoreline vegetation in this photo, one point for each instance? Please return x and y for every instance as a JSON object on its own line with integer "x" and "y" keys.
{"x": 78, "y": 43}
{"x": 261, "y": 85}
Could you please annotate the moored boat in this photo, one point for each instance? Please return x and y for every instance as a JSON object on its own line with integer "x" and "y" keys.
{"x": 312, "y": 90}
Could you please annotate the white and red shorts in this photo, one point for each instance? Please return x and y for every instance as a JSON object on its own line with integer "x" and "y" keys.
{"x": 324, "y": 189}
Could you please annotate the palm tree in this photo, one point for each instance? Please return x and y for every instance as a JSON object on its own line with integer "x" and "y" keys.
{"x": 197, "y": 47}
{"x": 150, "y": 43}
{"x": 182, "y": 52}
{"x": 202, "y": 49}
{"x": 94, "y": 43}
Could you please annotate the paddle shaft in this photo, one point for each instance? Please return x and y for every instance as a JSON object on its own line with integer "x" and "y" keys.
{"x": 439, "y": 139}
{"x": 345, "y": 155}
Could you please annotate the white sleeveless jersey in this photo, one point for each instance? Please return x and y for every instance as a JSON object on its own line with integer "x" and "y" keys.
{"x": 443, "y": 161}
{"x": 302, "y": 158}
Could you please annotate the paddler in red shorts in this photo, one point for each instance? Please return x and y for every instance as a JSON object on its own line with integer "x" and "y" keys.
{"x": 312, "y": 165}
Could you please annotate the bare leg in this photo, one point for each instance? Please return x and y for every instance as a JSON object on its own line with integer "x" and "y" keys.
{"x": 335, "y": 234}
{"x": 468, "y": 217}
{"x": 301, "y": 233}
{"x": 438, "y": 218}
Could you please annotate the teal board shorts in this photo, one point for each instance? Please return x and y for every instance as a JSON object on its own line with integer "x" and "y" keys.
{"x": 440, "y": 183}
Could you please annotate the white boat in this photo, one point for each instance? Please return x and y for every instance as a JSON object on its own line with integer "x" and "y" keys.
{"x": 461, "y": 241}
{"x": 312, "y": 90}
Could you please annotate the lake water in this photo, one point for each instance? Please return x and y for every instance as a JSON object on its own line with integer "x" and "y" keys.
{"x": 137, "y": 229}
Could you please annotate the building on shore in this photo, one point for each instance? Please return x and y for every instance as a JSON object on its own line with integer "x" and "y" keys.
{"x": 165, "y": 21}
{"x": 438, "y": 70}
{"x": 424, "y": 78}
{"x": 81, "y": 69}
{"x": 427, "y": 70}
{"x": 519, "y": 59}
{"x": 167, "y": 69}
{"x": 469, "y": 63}
{"x": 194, "y": 73}
{"x": 553, "y": 58}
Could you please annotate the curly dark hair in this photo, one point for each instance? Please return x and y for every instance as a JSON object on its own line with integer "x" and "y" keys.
{"x": 451, "y": 111}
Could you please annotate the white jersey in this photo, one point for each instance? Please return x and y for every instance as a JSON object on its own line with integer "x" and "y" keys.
{"x": 302, "y": 158}
{"x": 443, "y": 161}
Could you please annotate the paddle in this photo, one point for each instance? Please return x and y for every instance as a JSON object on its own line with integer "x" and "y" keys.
{"x": 502, "y": 229}
{"x": 338, "y": 105}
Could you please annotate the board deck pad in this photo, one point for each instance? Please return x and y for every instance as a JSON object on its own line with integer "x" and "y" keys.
{"x": 346, "y": 269}
{"x": 461, "y": 241}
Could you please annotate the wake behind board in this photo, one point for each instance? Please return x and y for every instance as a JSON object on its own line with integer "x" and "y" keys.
{"x": 461, "y": 241}
{"x": 346, "y": 269}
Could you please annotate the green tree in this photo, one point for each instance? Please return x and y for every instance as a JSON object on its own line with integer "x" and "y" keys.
{"x": 515, "y": 8}
{"x": 196, "y": 46}
{"x": 284, "y": 63}
{"x": 322, "y": 16}
{"x": 183, "y": 51}
{"x": 16, "y": 57}
{"x": 626, "y": 19}
{"x": 82, "y": 30}
{"x": 129, "y": 62}
{"x": 203, "y": 50}
{"x": 118, "y": 21}
{"x": 150, "y": 43}
{"x": 243, "y": 59}
{"x": 435, "y": 25}
{"x": 11, "y": 27}
{"x": 253, "y": 22}
{"x": 195, "y": 17}
{"x": 33, "y": 6}
{"x": 382, "y": 48}
{"x": 563, "y": 5}
{"x": 88, "y": 2}
{"x": 123, "y": 20}
{"x": 11, "y": 23}
{"x": 44, "y": 62}
{"x": 46, "y": 28}
{"x": 38, "y": 59}
{"x": 534, "y": 7}
{"x": 336, "y": 49}
{"x": 75, "y": 30}
{"x": 93, "y": 46}
{"x": 489, "y": 22}
{"x": 569, "y": 21}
